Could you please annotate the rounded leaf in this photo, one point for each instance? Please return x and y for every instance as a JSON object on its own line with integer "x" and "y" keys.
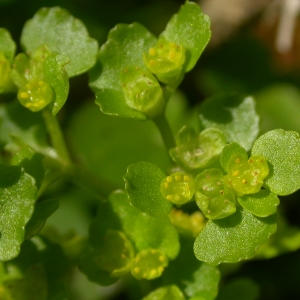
{"x": 62, "y": 33}
{"x": 7, "y": 45}
{"x": 234, "y": 238}
{"x": 171, "y": 292}
{"x": 282, "y": 150}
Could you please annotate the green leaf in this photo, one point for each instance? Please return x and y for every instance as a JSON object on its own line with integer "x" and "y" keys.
{"x": 32, "y": 163}
{"x": 142, "y": 184}
{"x": 127, "y": 43}
{"x": 233, "y": 238}
{"x": 7, "y": 44}
{"x": 197, "y": 151}
{"x": 193, "y": 277}
{"x": 18, "y": 194}
{"x": 145, "y": 232}
{"x": 241, "y": 288}
{"x": 235, "y": 115}
{"x": 20, "y": 127}
{"x": 229, "y": 151}
{"x": 282, "y": 150}
{"x": 19, "y": 72}
{"x": 57, "y": 78}
{"x": 42, "y": 211}
{"x": 191, "y": 29}
{"x": 62, "y": 33}
{"x": 261, "y": 204}
{"x": 171, "y": 292}
{"x": 149, "y": 264}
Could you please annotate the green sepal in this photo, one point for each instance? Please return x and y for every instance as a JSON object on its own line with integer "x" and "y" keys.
{"x": 191, "y": 29}
{"x": 178, "y": 188}
{"x": 142, "y": 91}
{"x": 230, "y": 150}
{"x": 149, "y": 264}
{"x": 57, "y": 78}
{"x": 48, "y": 26}
{"x": 7, "y": 44}
{"x": 32, "y": 162}
{"x": 128, "y": 43}
{"x": 142, "y": 184}
{"x": 42, "y": 211}
{"x": 6, "y": 83}
{"x": 213, "y": 197}
{"x": 282, "y": 150}
{"x": 235, "y": 115}
{"x": 18, "y": 193}
{"x": 197, "y": 151}
{"x": 171, "y": 292}
{"x": 20, "y": 73}
{"x": 262, "y": 204}
{"x": 235, "y": 238}
{"x": 144, "y": 231}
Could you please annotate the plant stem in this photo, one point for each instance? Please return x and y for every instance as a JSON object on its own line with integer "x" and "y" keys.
{"x": 165, "y": 131}
{"x": 56, "y": 137}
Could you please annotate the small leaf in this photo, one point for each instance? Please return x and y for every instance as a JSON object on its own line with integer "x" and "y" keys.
{"x": 18, "y": 194}
{"x": 142, "y": 184}
{"x": 32, "y": 163}
{"x": 149, "y": 264}
{"x": 233, "y": 238}
{"x": 197, "y": 151}
{"x": 7, "y": 44}
{"x": 235, "y": 115}
{"x": 62, "y": 33}
{"x": 189, "y": 28}
{"x": 6, "y": 83}
{"x": 57, "y": 78}
{"x": 171, "y": 292}
{"x": 229, "y": 151}
{"x": 261, "y": 204}
{"x": 282, "y": 150}
{"x": 42, "y": 211}
{"x": 128, "y": 43}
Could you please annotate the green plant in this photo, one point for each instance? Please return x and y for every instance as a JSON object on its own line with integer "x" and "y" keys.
{"x": 212, "y": 200}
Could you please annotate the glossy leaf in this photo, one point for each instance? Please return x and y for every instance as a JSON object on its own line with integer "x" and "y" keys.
{"x": 191, "y": 29}
{"x": 145, "y": 232}
{"x": 229, "y": 151}
{"x": 197, "y": 151}
{"x": 42, "y": 211}
{"x": 62, "y": 33}
{"x": 282, "y": 150}
{"x": 7, "y": 44}
{"x": 18, "y": 194}
{"x": 171, "y": 292}
{"x": 261, "y": 204}
{"x": 142, "y": 184}
{"x": 149, "y": 264}
{"x": 128, "y": 43}
{"x": 57, "y": 78}
{"x": 235, "y": 115}
{"x": 32, "y": 163}
{"x": 235, "y": 238}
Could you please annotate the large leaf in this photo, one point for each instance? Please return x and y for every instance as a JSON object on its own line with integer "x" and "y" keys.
{"x": 142, "y": 184}
{"x": 233, "y": 238}
{"x": 235, "y": 115}
{"x": 18, "y": 194}
{"x": 62, "y": 33}
{"x": 124, "y": 48}
{"x": 282, "y": 150}
{"x": 191, "y": 29}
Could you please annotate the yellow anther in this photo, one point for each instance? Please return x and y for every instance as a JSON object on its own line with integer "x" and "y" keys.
{"x": 28, "y": 104}
{"x": 169, "y": 197}
{"x": 172, "y": 54}
{"x": 160, "y": 269}
{"x": 166, "y": 185}
{"x": 41, "y": 102}
{"x": 136, "y": 270}
{"x": 153, "y": 272}
{"x": 178, "y": 177}
{"x": 169, "y": 179}
{"x": 186, "y": 178}
{"x": 244, "y": 181}
{"x": 235, "y": 173}
{"x": 161, "y": 258}
{"x": 152, "y": 51}
{"x": 24, "y": 95}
